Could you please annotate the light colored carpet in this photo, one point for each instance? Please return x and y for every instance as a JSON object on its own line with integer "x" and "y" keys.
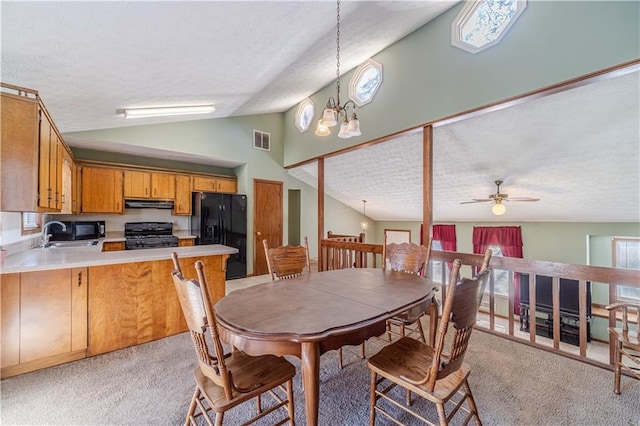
{"x": 152, "y": 384}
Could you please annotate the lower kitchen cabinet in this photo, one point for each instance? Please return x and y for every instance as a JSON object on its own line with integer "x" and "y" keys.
{"x": 135, "y": 303}
{"x": 186, "y": 242}
{"x": 113, "y": 246}
{"x": 44, "y": 319}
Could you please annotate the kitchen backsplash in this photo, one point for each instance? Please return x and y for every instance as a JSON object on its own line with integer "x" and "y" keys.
{"x": 115, "y": 223}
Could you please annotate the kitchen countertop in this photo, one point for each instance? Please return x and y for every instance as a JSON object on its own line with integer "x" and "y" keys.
{"x": 39, "y": 259}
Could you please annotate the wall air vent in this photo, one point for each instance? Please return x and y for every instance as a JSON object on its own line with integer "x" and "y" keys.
{"x": 261, "y": 140}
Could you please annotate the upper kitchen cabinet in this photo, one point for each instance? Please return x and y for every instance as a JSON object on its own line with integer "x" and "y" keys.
{"x": 214, "y": 184}
{"x": 182, "y": 203}
{"x": 140, "y": 184}
{"x": 50, "y": 167}
{"x": 102, "y": 190}
{"x": 163, "y": 186}
{"x": 30, "y": 148}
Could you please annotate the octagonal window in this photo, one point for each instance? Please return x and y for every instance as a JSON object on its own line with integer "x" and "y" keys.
{"x": 365, "y": 82}
{"x": 304, "y": 115}
{"x": 482, "y": 23}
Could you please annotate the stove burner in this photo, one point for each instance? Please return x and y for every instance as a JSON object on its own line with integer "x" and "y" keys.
{"x": 144, "y": 235}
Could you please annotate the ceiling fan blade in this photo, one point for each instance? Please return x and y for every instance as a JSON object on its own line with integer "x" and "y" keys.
{"x": 477, "y": 200}
{"x": 522, "y": 199}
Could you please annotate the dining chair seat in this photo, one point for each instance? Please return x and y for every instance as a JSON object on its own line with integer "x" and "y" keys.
{"x": 409, "y": 357}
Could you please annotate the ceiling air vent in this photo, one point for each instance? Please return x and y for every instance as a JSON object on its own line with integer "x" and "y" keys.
{"x": 261, "y": 140}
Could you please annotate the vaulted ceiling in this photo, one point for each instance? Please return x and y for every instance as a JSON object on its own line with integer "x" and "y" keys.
{"x": 578, "y": 151}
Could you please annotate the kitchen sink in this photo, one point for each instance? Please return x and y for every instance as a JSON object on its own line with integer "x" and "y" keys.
{"x": 73, "y": 244}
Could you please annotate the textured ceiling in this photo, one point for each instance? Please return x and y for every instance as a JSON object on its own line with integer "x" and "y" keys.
{"x": 578, "y": 151}
{"x": 91, "y": 59}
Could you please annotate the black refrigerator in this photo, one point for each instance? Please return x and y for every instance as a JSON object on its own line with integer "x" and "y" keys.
{"x": 222, "y": 219}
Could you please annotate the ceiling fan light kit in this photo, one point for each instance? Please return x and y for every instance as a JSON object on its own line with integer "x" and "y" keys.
{"x": 498, "y": 207}
{"x": 334, "y": 112}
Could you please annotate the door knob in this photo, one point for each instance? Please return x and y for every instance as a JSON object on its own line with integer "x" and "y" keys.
{"x": 258, "y": 233}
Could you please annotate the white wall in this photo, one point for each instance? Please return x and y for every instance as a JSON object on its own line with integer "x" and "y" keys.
{"x": 11, "y": 229}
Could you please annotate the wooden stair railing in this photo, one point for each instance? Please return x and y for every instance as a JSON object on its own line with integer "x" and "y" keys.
{"x": 337, "y": 254}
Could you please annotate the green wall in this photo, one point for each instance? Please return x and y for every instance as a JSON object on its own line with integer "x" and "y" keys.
{"x": 426, "y": 78}
{"x": 555, "y": 242}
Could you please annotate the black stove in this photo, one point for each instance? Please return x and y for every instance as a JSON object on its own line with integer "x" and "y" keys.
{"x": 145, "y": 235}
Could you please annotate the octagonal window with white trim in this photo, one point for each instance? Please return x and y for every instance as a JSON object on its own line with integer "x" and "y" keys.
{"x": 365, "y": 82}
{"x": 304, "y": 115}
{"x": 483, "y": 23}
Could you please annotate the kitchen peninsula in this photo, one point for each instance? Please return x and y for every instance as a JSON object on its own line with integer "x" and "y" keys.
{"x": 64, "y": 304}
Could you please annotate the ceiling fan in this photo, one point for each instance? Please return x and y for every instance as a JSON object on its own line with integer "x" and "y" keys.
{"x": 498, "y": 208}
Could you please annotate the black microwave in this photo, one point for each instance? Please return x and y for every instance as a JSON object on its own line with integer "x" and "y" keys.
{"x": 89, "y": 230}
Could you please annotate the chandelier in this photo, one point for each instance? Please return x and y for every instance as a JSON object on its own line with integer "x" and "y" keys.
{"x": 334, "y": 112}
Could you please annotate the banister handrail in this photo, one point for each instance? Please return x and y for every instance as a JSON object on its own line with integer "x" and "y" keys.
{"x": 611, "y": 277}
{"x": 600, "y": 274}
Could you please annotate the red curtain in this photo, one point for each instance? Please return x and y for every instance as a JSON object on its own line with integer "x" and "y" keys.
{"x": 509, "y": 238}
{"x": 446, "y": 234}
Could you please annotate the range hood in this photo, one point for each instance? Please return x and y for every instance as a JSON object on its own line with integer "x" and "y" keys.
{"x": 148, "y": 204}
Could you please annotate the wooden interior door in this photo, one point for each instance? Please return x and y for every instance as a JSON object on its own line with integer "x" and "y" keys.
{"x": 267, "y": 221}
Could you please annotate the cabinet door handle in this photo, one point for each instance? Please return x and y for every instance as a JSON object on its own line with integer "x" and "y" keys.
{"x": 80, "y": 279}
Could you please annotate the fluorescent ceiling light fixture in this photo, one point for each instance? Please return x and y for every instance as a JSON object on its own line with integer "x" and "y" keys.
{"x": 167, "y": 111}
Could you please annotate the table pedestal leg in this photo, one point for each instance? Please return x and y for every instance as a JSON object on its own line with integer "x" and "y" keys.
{"x": 311, "y": 380}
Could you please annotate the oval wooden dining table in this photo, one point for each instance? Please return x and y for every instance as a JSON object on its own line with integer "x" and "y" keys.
{"x": 310, "y": 315}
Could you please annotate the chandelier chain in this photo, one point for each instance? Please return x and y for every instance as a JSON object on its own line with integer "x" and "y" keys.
{"x": 338, "y": 49}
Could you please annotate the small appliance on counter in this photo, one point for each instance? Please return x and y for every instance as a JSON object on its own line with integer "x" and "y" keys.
{"x": 222, "y": 219}
{"x": 77, "y": 230}
{"x": 146, "y": 235}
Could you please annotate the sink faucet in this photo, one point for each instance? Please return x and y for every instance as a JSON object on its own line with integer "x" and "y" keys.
{"x": 45, "y": 235}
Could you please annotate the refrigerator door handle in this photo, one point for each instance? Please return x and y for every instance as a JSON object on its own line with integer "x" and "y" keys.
{"x": 223, "y": 233}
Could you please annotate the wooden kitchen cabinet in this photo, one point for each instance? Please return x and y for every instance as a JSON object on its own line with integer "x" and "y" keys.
{"x": 76, "y": 190}
{"x": 102, "y": 190}
{"x": 113, "y": 246}
{"x": 137, "y": 184}
{"x": 44, "y": 319}
{"x": 31, "y": 154}
{"x": 19, "y": 153}
{"x": 163, "y": 186}
{"x": 50, "y": 164}
{"x": 134, "y": 303}
{"x": 182, "y": 202}
{"x": 214, "y": 184}
{"x": 10, "y": 326}
{"x": 142, "y": 185}
{"x": 186, "y": 242}
{"x": 67, "y": 203}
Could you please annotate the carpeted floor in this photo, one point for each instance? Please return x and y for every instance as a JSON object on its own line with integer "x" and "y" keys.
{"x": 152, "y": 384}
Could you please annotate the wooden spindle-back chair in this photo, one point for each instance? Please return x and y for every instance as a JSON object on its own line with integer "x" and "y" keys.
{"x": 224, "y": 381}
{"x": 287, "y": 261}
{"x": 428, "y": 371}
{"x": 626, "y": 355}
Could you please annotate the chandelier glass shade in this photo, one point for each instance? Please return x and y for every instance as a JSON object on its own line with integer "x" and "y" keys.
{"x": 336, "y": 113}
